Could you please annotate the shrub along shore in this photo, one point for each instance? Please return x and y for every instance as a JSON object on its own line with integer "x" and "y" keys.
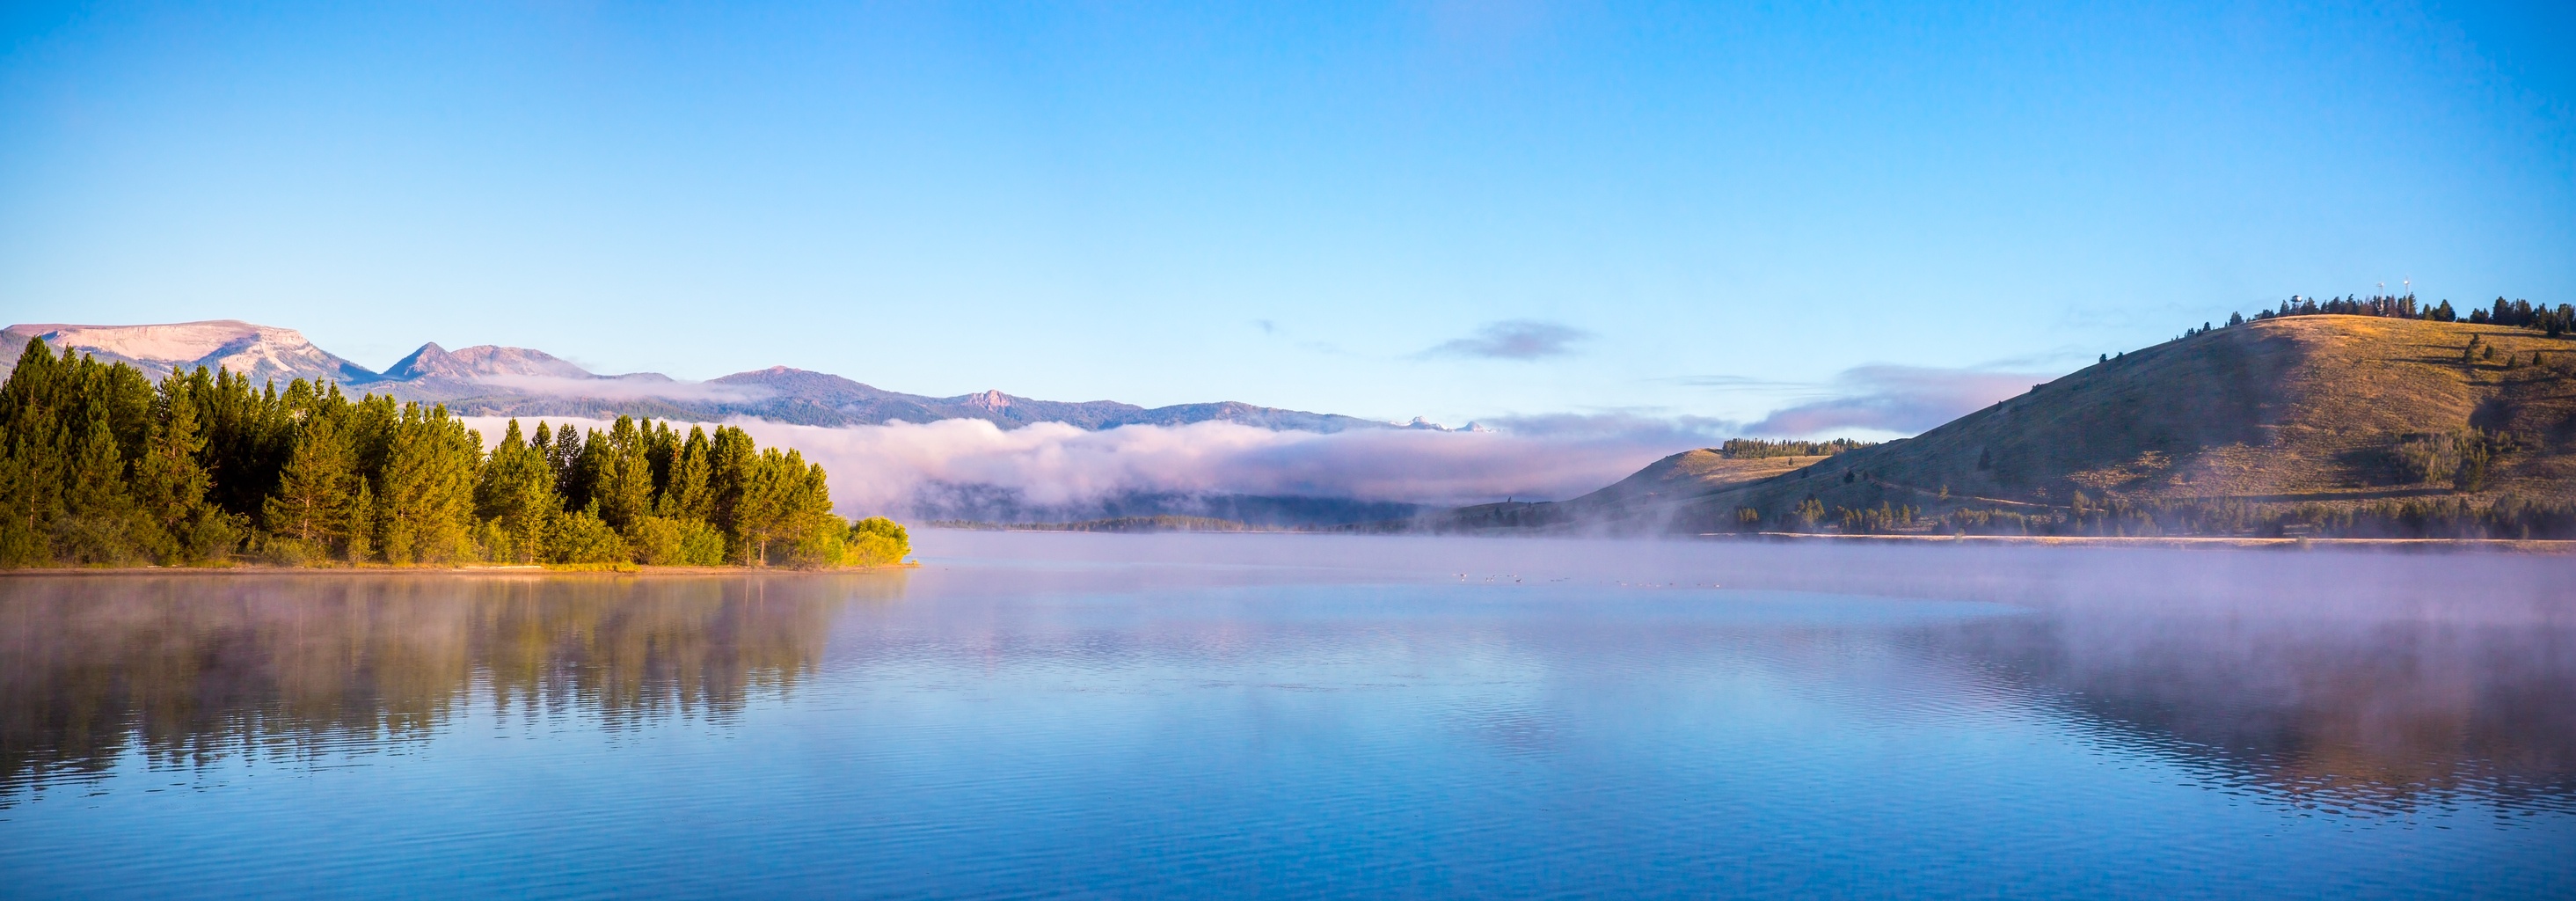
{"x": 100, "y": 467}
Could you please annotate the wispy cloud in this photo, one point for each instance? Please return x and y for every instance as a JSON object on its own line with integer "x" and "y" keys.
{"x": 1905, "y": 399}
{"x": 1514, "y": 339}
{"x": 1675, "y": 432}
{"x": 1739, "y": 383}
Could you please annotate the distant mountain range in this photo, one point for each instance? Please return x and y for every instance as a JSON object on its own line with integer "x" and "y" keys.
{"x": 516, "y": 381}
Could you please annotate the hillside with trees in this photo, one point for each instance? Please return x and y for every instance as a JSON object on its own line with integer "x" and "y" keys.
{"x": 1650, "y": 495}
{"x": 100, "y": 466}
{"x": 2382, "y": 421}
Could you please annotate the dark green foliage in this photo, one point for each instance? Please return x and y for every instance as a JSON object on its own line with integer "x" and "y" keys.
{"x": 2460, "y": 459}
{"x": 2520, "y": 313}
{"x": 99, "y": 466}
{"x": 1757, "y": 448}
{"x": 516, "y": 493}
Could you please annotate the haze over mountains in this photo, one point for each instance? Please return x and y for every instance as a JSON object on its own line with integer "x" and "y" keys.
{"x": 512, "y": 381}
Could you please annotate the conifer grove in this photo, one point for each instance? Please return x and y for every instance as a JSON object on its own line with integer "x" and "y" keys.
{"x": 98, "y": 466}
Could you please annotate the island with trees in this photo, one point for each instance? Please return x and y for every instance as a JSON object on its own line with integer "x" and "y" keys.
{"x": 101, "y": 467}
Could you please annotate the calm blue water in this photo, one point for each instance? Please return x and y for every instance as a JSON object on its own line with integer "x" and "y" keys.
{"x": 1301, "y": 716}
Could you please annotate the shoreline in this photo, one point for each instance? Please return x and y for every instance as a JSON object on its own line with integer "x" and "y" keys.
{"x": 462, "y": 571}
{"x": 2512, "y": 545}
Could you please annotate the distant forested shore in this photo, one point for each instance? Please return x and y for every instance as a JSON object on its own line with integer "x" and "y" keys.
{"x": 101, "y": 467}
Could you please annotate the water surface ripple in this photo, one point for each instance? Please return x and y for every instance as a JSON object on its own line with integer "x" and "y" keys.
{"x": 1036, "y": 715}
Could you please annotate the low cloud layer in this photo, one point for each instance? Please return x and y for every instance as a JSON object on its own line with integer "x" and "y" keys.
{"x": 906, "y": 469}
{"x": 625, "y": 388}
{"x": 1902, "y": 399}
{"x": 1514, "y": 339}
{"x": 884, "y": 468}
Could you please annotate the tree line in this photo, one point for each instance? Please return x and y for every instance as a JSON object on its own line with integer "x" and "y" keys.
{"x": 100, "y": 466}
{"x": 1761, "y": 448}
{"x": 2555, "y": 322}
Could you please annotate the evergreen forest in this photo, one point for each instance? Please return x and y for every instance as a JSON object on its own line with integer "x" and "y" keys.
{"x": 2519, "y": 313}
{"x": 1764, "y": 448}
{"x": 101, "y": 467}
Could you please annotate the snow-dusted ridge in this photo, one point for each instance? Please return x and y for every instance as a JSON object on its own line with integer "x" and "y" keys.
{"x": 259, "y": 351}
{"x": 516, "y": 381}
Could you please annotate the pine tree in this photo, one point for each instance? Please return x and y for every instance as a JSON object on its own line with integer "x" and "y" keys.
{"x": 98, "y": 464}
{"x": 359, "y": 524}
{"x": 171, "y": 485}
{"x": 517, "y": 491}
{"x": 99, "y": 515}
{"x": 425, "y": 494}
{"x": 759, "y": 503}
{"x": 688, "y": 495}
{"x": 816, "y": 537}
{"x": 32, "y": 457}
{"x": 313, "y": 503}
{"x": 730, "y": 460}
{"x": 624, "y": 484}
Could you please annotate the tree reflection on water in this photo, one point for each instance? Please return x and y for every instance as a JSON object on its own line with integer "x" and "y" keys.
{"x": 186, "y": 669}
{"x": 2360, "y": 712}
{"x": 2354, "y": 685}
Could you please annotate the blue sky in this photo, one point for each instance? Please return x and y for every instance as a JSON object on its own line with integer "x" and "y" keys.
{"x": 1451, "y": 210}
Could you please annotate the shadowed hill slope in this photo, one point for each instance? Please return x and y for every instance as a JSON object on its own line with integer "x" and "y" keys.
{"x": 1650, "y": 500}
{"x": 2316, "y": 412}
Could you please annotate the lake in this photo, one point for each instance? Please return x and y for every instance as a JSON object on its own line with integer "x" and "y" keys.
{"x": 1068, "y": 715}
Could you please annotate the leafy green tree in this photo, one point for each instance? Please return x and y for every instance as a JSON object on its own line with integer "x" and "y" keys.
{"x": 585, "y": 538}
{"x": 875, "y": 541}
{"x": 656, "y": 541}
{"x": 700, "y": 543}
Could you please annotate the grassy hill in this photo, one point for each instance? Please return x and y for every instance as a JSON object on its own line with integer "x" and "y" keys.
{"x": 1651, "y": 500}
{"x": 2304, "y": 424}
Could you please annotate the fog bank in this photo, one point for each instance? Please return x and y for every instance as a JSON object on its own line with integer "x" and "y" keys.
{"x": 909, "y": 468}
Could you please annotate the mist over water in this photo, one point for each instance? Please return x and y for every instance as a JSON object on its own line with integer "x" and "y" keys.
{"x": 1298, "y": 715}
{"x": 1052, "y": 472}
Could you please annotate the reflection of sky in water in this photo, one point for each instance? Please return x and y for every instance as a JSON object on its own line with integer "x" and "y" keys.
{"x": 1295, "y": 715}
